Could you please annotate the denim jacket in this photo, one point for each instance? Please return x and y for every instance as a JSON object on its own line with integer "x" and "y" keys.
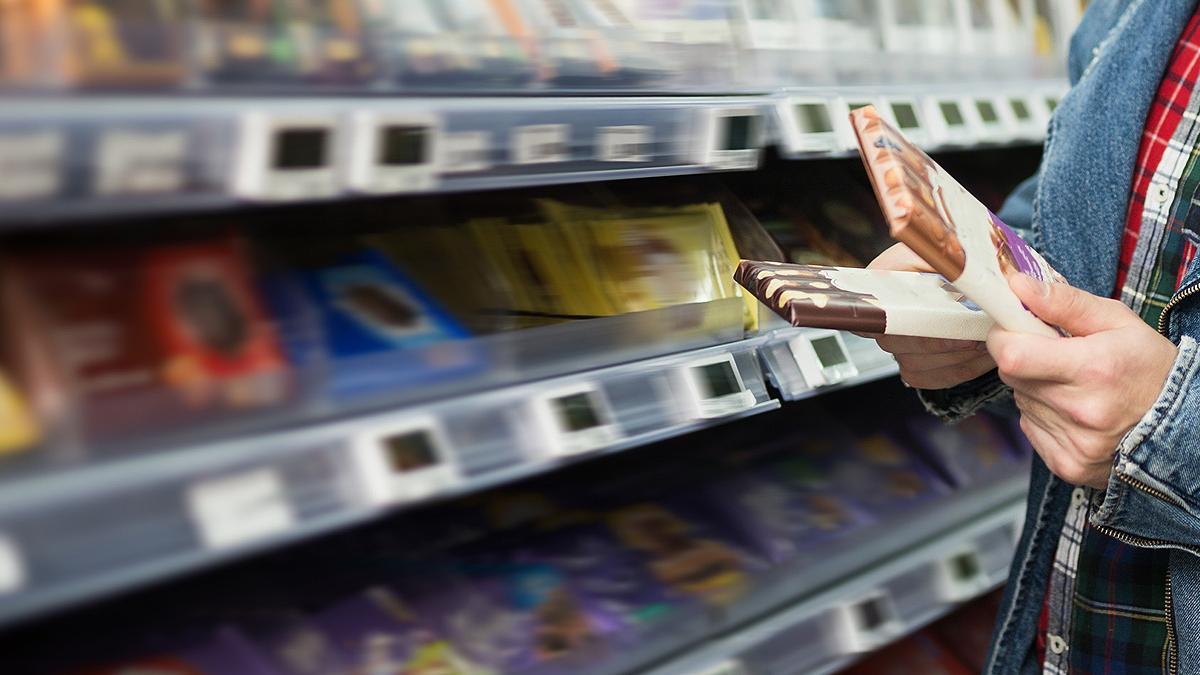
{"x": 1074, "y": 211}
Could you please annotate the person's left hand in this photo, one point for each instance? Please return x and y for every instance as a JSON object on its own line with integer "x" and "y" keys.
{"x": 1080, "y": 395}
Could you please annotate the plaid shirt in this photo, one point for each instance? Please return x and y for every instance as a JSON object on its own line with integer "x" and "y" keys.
{"x": 1105, "y": 607}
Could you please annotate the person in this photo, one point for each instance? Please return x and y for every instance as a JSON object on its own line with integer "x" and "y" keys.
{"x": 1106, "y": 577}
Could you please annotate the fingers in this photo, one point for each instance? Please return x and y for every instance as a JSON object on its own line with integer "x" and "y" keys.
{"x": 1033, "y": 357}
{"x": 902, "y": 344}
{"x": 1078, "y": 312}
{"x": 899, "y": 258}
{"x": 946, "y": 376}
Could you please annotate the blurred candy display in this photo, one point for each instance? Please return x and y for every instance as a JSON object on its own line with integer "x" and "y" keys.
{"x": 507, "y": 45}
{"x": 560, "y": 577}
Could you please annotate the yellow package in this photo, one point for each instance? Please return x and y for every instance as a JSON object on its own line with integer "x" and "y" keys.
{"x": 570, "y": 285}
{"x": 653, "y": 258}
{"x": 18, "y": 430}
{"x": 531, "y": 297}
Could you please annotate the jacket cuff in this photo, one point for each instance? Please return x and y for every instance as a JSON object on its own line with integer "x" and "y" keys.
{"x": 1154, "y": 491}
{"x": 964, "y": 400}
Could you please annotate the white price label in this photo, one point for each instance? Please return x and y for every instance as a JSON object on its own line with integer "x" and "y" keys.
{"x": 727, "y": 667}
{"x": 140, "y": 162}
{"x": 541, "y": 144}
{"x": 626, "y": 143}
{"x": 466, "y": 151}
{"x": 29, "y": 164}
{"x": 239, "y": 508}
{"x": 12, "y": 567}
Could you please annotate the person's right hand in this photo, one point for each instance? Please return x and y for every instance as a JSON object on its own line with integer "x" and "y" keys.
{"x": 929, "y": 363}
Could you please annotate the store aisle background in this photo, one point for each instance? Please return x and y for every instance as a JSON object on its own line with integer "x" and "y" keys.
{"x": 401, "y": 337}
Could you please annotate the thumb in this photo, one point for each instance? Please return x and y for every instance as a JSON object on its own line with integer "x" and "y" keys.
{"x": 1078, "y": 312}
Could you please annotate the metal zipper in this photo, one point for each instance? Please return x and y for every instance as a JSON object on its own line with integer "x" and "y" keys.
{"x": 1148, "y": 490}
{"x": 1169, "y": 612}
{"x": 1179, "y": 297}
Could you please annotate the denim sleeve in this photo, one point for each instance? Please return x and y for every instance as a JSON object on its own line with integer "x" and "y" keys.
{"x": 1153, "y": 495}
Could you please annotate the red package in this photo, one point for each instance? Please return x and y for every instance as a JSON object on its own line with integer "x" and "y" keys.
{"x": 149, "y": 339}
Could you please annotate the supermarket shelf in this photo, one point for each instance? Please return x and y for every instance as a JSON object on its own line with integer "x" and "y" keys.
{"x": 78, "y": 533}
{"x": 81, "y": 158}
{"x": 796, "y": 373}
{"x": 867, "y": 593}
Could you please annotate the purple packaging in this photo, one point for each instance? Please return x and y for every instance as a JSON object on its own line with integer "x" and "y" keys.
{"x": 613, "y": 580}
{"x": 686, "y": 550}
{"x": 377, "y": 632}
{"x": 786, "y": 508}
{"x": 883, "y": 474}
{"x": 518, "y": 617}
{"x": 290, "y": 644}
{"x": 972, "y": 451}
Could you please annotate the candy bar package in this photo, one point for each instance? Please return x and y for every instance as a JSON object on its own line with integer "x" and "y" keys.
{"x": 518, "y": 617}
{"x": 885, "y": 475}
{"x": 130, "y": 43}
{"x": 864, "y": 301}
{"x": 947, "y": 226}
{"x": 380, "y": 330}
{"x": 971, "y": 451}
{"x": 289, "y": 643}
{"x": 245, "y": 42}
{"x": 223, "y": 652}
{"x": 652, "y": 258}
{"x": 614, "y": 579}
{"x": 686, "y": 551}
{"x": 377, "y": 632}
{"x": 147, "y": 339}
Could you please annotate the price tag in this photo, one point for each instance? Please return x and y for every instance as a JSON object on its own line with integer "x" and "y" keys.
{"x": 961, "y": 575}
{"x": 713, "y": 387}
{"x": 541, "y": 144}
{"x": 731, "y": 138}
{"x": 239, "y": 508}
{"x": 627, "y": 143}
{"x": 30, "y": 164}
{"x": 404, "y": 461}
{"x": 287, "y": 157}
{"x": 12, "y": 567}
{"x": 727, "y": 667}
{"x": 466, "y": 151}
{"x": 393, "y": 154}
{"x": 822, "y": 358}
{"x": 810, "y": 125}
{"x": 869, "y": 622}
{"x": 576, "y": 419}
{"x": 141, "y": 162}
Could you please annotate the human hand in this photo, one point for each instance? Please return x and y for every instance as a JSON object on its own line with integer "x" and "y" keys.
{"x": 929, "y": 363}
{"x": 1080, "y": 395}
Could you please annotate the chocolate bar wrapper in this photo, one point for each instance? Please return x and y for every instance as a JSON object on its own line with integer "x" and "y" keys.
{"x": 864, "y": 301}
{"x": 947, "y": 226}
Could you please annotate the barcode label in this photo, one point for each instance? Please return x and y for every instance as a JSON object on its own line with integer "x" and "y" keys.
{"x": 12, "y": 567}
{"x": 540, "y": 144}
{"x": 627, "y": 143}
{"x": 30, "y": 164}
{"x": 136, "y": 162}
{"x": 239, "y": 508}
{"x": 466, "y": 151}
